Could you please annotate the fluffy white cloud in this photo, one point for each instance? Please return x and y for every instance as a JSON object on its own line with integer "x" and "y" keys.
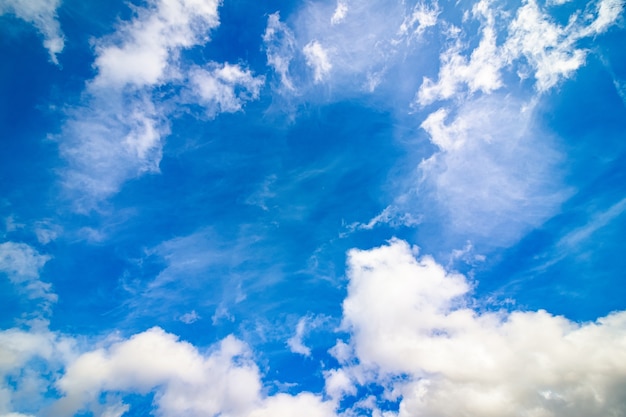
{"x": 221, "y": 380}
{"x": 28, "y": 358}
{"x": 304, "y": 404}
{"x": 409, "y": 316}
{"x": 43, "y": 15}
{"x": 187, "y": 382}
{"x": 494, "y": 174}
{"x": 224, "y": 88}
{"x": 140, "y": 51}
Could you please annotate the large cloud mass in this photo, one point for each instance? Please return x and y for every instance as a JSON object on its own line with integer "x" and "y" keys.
{"x": 409, "y": 316}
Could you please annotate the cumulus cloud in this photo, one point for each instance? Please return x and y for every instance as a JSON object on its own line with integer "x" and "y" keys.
{"x": 222, "y": 381}
{"x": 188, "y": 382}
{"x": 27, "y": 359}
{"x": 43, "y": 15}
{"x": 219, "y": 380}
{"x": 408, "y": 316}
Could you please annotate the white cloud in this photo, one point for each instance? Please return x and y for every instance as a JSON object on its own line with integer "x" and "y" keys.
{"x": 188, "y": 382}
{"x": 224, "y": 88}
{"x": 22, "y": 265}
{"x": 222, "y": 381}
{"x": 391, "y": 216}
{"x": 117, "y": 132}
{"x": 28, "y": 358}
{"x": 304, "y": 404}
{"x": 317, "y": 58}
{"x": 140, "y": 51}
{"x": 534, "y": 45}
{"x": 296, "y": 343}
{"x": 548, "y": 47}
{"x": 340, "y": 12}
{"x": 328, "y": 37}
{"x": 108, "y": 141}
{"x": 495, "y": 175}
{"x": 305, "y": 325}
{"x": 481, "y": 72}
{"x": 409, "y": 316}
{"x": 338, "y": 384}
{"x": 608, "y": 13}
{"x": 47, "y": 231}
{"x": 43, "y": 15}
{"x": 189, "y": 318}
{"x": 421, "y": 18}
{"x": 219, "y": 380}
{"x": 280, "y": 47}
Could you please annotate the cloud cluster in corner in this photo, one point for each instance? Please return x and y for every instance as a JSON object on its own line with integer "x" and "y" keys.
{"x": 43, "y": 15}
{"x": 408, "y": 316}
{"x": 548, "y": 51}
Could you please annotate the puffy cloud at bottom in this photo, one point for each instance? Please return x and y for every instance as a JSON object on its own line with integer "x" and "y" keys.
{"x": 412, "y": 331}
{"x": 225, "y": 382}
{"x": 410, "y": 322}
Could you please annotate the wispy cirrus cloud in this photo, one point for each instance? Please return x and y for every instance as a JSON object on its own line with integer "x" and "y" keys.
{"x": 495, "y": 174}
{"x": 327, "y": 37}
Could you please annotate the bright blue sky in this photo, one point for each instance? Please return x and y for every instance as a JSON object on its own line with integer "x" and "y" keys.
{"x": 382, "y": 208}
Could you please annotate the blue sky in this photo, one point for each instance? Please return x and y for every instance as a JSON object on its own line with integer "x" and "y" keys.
{"x": 324, "y": 208}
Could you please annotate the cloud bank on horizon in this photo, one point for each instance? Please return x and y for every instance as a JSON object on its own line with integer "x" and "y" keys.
{"x": 328, "y": 208}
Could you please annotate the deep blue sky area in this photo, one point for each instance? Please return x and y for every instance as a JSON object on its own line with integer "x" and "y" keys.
{"x": 321, "y": 208}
